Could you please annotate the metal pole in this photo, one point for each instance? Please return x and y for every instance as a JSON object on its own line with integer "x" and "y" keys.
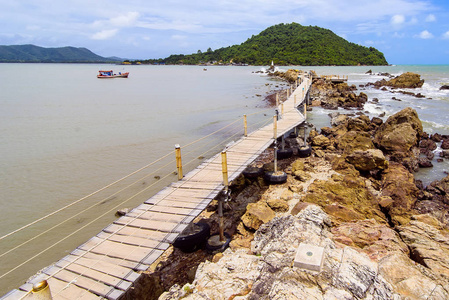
{"x": 42, "y": 291}
{"x": 245, "y": 124}
{"x": 178, "y": 161}
{"x": 224, "y": 168}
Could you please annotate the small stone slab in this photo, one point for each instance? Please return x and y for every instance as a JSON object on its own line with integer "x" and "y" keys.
{"x": 309, "y": 257}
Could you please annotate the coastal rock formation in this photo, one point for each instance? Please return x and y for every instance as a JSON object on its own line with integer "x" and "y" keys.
{"x": 267, "y": 271}
{"x": 399, "y": 137}
{"x": 399, "y": 184}
{"x": 367, "y": 160}
{"x": 331, "y": 96}
{"x": 406, "y": 80}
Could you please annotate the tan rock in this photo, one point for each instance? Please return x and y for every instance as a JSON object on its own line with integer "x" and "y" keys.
{"x": 376, "y": 240}
{"x": 399, "y": 184}
{"x": 400, "y": 132}
{"x": 371, "y": 159}
{"x": 257, "y": 214}
{"x": 321, "y": 141}
{"x": 278, "y": 205}
{"x": 428, "y": 246}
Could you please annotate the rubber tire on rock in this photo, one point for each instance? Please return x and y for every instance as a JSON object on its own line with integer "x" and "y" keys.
{"x": 216, "y": 249}
{"x": 304, "y": 151}
{"x": 252, "y": 172}
{"x": 292, "y": 135}
{"x": 191, "y": 242}
{"x": 284, "y": 153}
{"x": 275, "y": 179}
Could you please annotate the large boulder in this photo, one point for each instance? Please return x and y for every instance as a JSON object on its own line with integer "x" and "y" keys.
{"x": 399, "y": 184}
{"x": 400, "y": 133}
{"x": 374, "y": 239}
{"x": 257, "y": 214}
{"x": 345, "y": 198}
{"x": 355, "y": 140}
{"x": 371, "y": 159}
{"x": 428, "y": 245}
{"x": 406, "y": 80}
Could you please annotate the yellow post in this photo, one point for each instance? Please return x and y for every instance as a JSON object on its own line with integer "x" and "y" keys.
{"x": 224, "y": 169}
{"x": 42, "y": 291}
{"x": 287, "y": 93}
{"x": 282, "y": 109}
{"x": 275, "y": 127}
{"x": 245, "y": 124}
{"x": 178, "y": 161}
{"x": 305, "y": 109}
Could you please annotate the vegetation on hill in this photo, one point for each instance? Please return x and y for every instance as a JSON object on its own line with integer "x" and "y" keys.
{"x": 287, "y": 44}
{"x": 32, "y": 53}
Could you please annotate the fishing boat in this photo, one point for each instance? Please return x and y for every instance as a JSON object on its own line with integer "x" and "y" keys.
{"x": 110, "y": 74}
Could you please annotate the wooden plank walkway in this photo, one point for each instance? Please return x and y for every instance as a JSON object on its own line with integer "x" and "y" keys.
{"x": 107, "y": 265}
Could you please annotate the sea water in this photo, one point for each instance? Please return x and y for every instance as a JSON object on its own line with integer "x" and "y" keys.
{"x": 65, "y": 134}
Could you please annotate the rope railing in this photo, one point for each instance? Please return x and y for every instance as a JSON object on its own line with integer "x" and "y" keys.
{"x": 230, "y": 131}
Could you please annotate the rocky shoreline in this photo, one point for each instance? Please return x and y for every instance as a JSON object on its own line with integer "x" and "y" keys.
{"x": 385, "y": 235}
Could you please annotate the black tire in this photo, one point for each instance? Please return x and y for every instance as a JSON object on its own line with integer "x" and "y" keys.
{"x": 284, "y": 153}
{"x": 212, "y": 248}
{"x": 191, "y": 241}
{"x": 304, "y": 151}
{"x": 270, "y": 177}
{"x": 252, "y": 172}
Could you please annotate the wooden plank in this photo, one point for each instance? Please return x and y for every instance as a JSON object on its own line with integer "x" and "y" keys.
{"x": 151, "y": 224}
{"x": 88, "y": 272}
{"x": 160, "y": 216}
{"x": 138, "y": 254}
{"x": 132, "y": 240}
{"x": 113, "y": 260}
{"x": 105, "y": 267}
{"x": 137, "y": 232}
{"x": 67, "y": 291}
{"x": 94, "y": 286}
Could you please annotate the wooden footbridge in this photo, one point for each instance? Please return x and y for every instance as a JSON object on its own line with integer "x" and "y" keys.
{"x": 108, "y": 264}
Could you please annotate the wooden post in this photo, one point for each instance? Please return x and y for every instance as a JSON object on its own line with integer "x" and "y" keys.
{"x": 294, "y": 101}
{"x": 282, "y": 109}
{"x": 178, "y": 161}
{"x": 277, "y": 99}
{"x": 305, "y": 109}
{"x": 224, "y": 169}
{"x": 275, "y": 127}
{"x": 245, "y": 125}
{"x": 287, "y": 93}
{"x": 42, "y": 291}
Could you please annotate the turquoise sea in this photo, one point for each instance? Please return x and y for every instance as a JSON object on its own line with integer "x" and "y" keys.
{"x": 65, "y": 134}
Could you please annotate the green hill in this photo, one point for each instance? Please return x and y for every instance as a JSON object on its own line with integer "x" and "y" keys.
{"x": 288, "y": 44}
{"x": 32, "y": 53}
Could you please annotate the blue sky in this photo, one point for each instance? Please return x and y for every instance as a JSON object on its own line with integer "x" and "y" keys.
{"x": 406, "y": 31}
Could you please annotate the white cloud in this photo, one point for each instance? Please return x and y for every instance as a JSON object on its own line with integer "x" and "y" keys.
{"x": 104, "y": 34}
{"x": 397, "y": 19}
{"x": 425, "y": 35}
{"x": 431, "y": 18}
{"x": 446, "y": 35}
{"x": 125, "y": 20}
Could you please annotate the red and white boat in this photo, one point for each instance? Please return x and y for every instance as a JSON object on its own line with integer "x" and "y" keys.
{"x": 110, "y": 74}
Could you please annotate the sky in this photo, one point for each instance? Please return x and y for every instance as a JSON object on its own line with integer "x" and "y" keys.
{"x": 406, "y": 31}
